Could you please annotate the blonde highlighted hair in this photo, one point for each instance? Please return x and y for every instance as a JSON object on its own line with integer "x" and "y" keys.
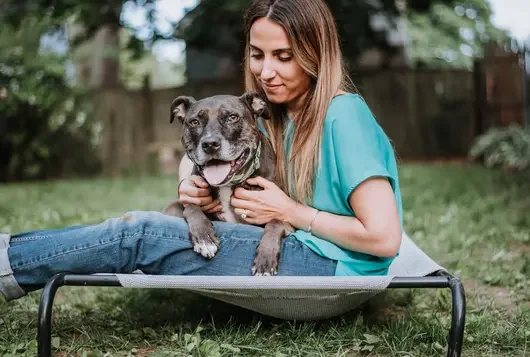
{"x": 314, "y": 40}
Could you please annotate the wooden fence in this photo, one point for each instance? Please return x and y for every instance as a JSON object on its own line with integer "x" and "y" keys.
{"x": 426, "y": 113}
{"x": 137, "y": 135}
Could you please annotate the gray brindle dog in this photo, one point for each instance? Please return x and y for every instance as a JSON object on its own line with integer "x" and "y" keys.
{"x": 221, "y": 137}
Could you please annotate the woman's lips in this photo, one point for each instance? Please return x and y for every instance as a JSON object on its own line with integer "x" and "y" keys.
{"x": 271, "y": 87}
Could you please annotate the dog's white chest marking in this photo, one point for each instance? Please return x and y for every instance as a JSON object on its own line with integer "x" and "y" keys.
{"x": 225, "y": 193}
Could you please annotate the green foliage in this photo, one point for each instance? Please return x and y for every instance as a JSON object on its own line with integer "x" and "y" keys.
{"x": 45, "y": 126}
{"x": 450, "y": 34}
{"x": 440, "y": 33}
{"x": 133, "y": 70}
{"x": 91, "y": 15}
{"x": 352, "y": 18}
{"x": 508, "y": 148}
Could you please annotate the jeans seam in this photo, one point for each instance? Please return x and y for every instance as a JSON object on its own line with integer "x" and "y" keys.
{"x": 234, "y": 237}
{"x": 112, "y": 240}
{"x": 162, "y": 235}
{"x": 25, "y": 239}
{"x": 227, "y": 236}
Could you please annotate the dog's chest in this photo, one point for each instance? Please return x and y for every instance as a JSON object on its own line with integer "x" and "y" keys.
{"x": 228, "y": 215}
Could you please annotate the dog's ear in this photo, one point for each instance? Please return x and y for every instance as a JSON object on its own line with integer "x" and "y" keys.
{"x": 257, "y": 104}
{"x": 180, "y": 107}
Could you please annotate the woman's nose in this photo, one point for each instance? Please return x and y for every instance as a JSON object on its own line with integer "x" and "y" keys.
{"x": 267, "y": 71}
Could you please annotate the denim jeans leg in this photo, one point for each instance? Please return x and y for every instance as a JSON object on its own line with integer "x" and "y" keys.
{"x": 148, "y": 241}
{"x": 137, "y": 240}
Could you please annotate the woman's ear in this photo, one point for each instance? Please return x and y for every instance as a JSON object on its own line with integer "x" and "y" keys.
{"x": 180, "y": 107}
{"x": 257, "y": 104}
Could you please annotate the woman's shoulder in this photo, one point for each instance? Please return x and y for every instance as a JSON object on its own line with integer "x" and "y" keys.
{"x": 351, "y": 127}
{"x": 350, "y": 109}
{"x": 346, "y": 102}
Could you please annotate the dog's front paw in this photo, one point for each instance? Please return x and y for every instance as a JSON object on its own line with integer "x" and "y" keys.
{"x": 205, "y": 242}
{"x": 266, "y": 262}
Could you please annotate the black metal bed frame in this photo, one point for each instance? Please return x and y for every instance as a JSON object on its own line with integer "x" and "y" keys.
{"x": 440, "y": 280}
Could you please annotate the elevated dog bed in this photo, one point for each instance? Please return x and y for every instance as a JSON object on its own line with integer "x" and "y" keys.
{"x": 300, "y": 298}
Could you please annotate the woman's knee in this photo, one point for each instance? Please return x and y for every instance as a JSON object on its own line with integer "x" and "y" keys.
{"x": 145, "y": 223}
{"x": 151, "y": 223}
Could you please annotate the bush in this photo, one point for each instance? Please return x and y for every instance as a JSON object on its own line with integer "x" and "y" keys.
{"x": 508, "y": 148}
{"x": 46, "y": 129}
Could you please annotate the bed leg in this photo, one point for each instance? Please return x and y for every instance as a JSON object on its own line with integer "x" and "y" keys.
{"x": 458, "y": 316}
{"x": 44, "y": 328}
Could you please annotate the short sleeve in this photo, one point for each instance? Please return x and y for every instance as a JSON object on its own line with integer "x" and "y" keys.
{"x": 358, "y": 144}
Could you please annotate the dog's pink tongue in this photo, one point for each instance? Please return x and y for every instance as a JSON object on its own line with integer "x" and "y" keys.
{"x": 216, "y": 173}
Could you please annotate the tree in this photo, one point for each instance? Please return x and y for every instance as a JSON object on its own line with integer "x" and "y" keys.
{"x": 450, "y": 35}
{"x": 458, "y": 28}
{"x": 92, "y": 20}
{"x": 42, "y": 116}
{"x": 354, "y": 20}
{"x": 100, "y": 22}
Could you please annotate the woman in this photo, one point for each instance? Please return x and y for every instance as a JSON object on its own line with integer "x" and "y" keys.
{"x": 333, "y": 159}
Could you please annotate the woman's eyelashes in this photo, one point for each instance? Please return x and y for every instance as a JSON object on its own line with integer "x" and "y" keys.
{"x": 281, "y": 58}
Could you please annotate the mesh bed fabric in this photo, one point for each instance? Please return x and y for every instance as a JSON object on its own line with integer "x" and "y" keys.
{"x": 300, "y": 298}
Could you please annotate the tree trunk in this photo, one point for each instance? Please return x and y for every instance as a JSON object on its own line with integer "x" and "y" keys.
{"x": 105, "y": 64}
{"x": 96, "y": 60}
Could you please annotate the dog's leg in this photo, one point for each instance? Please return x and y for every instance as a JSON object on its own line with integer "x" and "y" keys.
{"x": 201, "y": 231}
{"x": 202, "y": 234}
{"x": 174, "y": 208}
{"x": 268, "y": 250}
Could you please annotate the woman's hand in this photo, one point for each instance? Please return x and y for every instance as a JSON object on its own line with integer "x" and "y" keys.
{"x": 195, "y": 190}
{"x": 264, "y": 205}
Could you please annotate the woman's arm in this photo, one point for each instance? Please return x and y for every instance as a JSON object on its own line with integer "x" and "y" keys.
{"x": 185, "y": 167}
{"x": 375, "y": 230}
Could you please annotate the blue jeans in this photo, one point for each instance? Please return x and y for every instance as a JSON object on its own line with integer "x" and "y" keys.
{"x": 149, "y": 241}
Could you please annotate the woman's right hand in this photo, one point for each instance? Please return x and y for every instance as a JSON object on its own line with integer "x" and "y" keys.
{"x": 196, "y": 190}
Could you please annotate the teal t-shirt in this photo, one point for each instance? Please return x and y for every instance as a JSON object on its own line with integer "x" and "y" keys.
{"x": 354, "y": 148}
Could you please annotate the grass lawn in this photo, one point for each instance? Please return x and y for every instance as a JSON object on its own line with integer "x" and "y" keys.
{"x": 473, "y": 221}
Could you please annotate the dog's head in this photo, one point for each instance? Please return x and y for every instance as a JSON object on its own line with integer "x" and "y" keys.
{"x": 220, "y": 133}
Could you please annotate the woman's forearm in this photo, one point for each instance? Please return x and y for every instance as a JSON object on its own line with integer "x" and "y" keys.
{"x": 185, "y": 167}
{"x": 345, "y": 231}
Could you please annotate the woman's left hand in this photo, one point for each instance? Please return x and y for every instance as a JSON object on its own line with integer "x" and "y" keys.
{"x": 264, "y": 205}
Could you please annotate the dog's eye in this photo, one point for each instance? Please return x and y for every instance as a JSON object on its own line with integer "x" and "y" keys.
{"x": 233, "y": 118}
{"x": 194, "y": 123}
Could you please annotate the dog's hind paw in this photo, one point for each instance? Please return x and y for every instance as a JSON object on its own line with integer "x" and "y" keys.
{"x": 255, "y": 272}
{"x": 206, "y": 249}
{"x": 265, "y": 264}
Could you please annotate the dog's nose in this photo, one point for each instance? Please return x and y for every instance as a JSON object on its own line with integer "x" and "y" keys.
{"x": 211, "y": 145}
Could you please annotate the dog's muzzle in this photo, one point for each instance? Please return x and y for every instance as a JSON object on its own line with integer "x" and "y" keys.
{"x": 224, "y": 173}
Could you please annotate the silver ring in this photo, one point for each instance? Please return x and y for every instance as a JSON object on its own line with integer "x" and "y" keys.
{"x": 244, "y": 214}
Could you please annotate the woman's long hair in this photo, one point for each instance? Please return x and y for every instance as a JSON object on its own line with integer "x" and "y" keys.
{"x": 314, "y": 40}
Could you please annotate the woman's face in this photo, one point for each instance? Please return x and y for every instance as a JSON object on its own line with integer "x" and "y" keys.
{"x": 273, "y": 64}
